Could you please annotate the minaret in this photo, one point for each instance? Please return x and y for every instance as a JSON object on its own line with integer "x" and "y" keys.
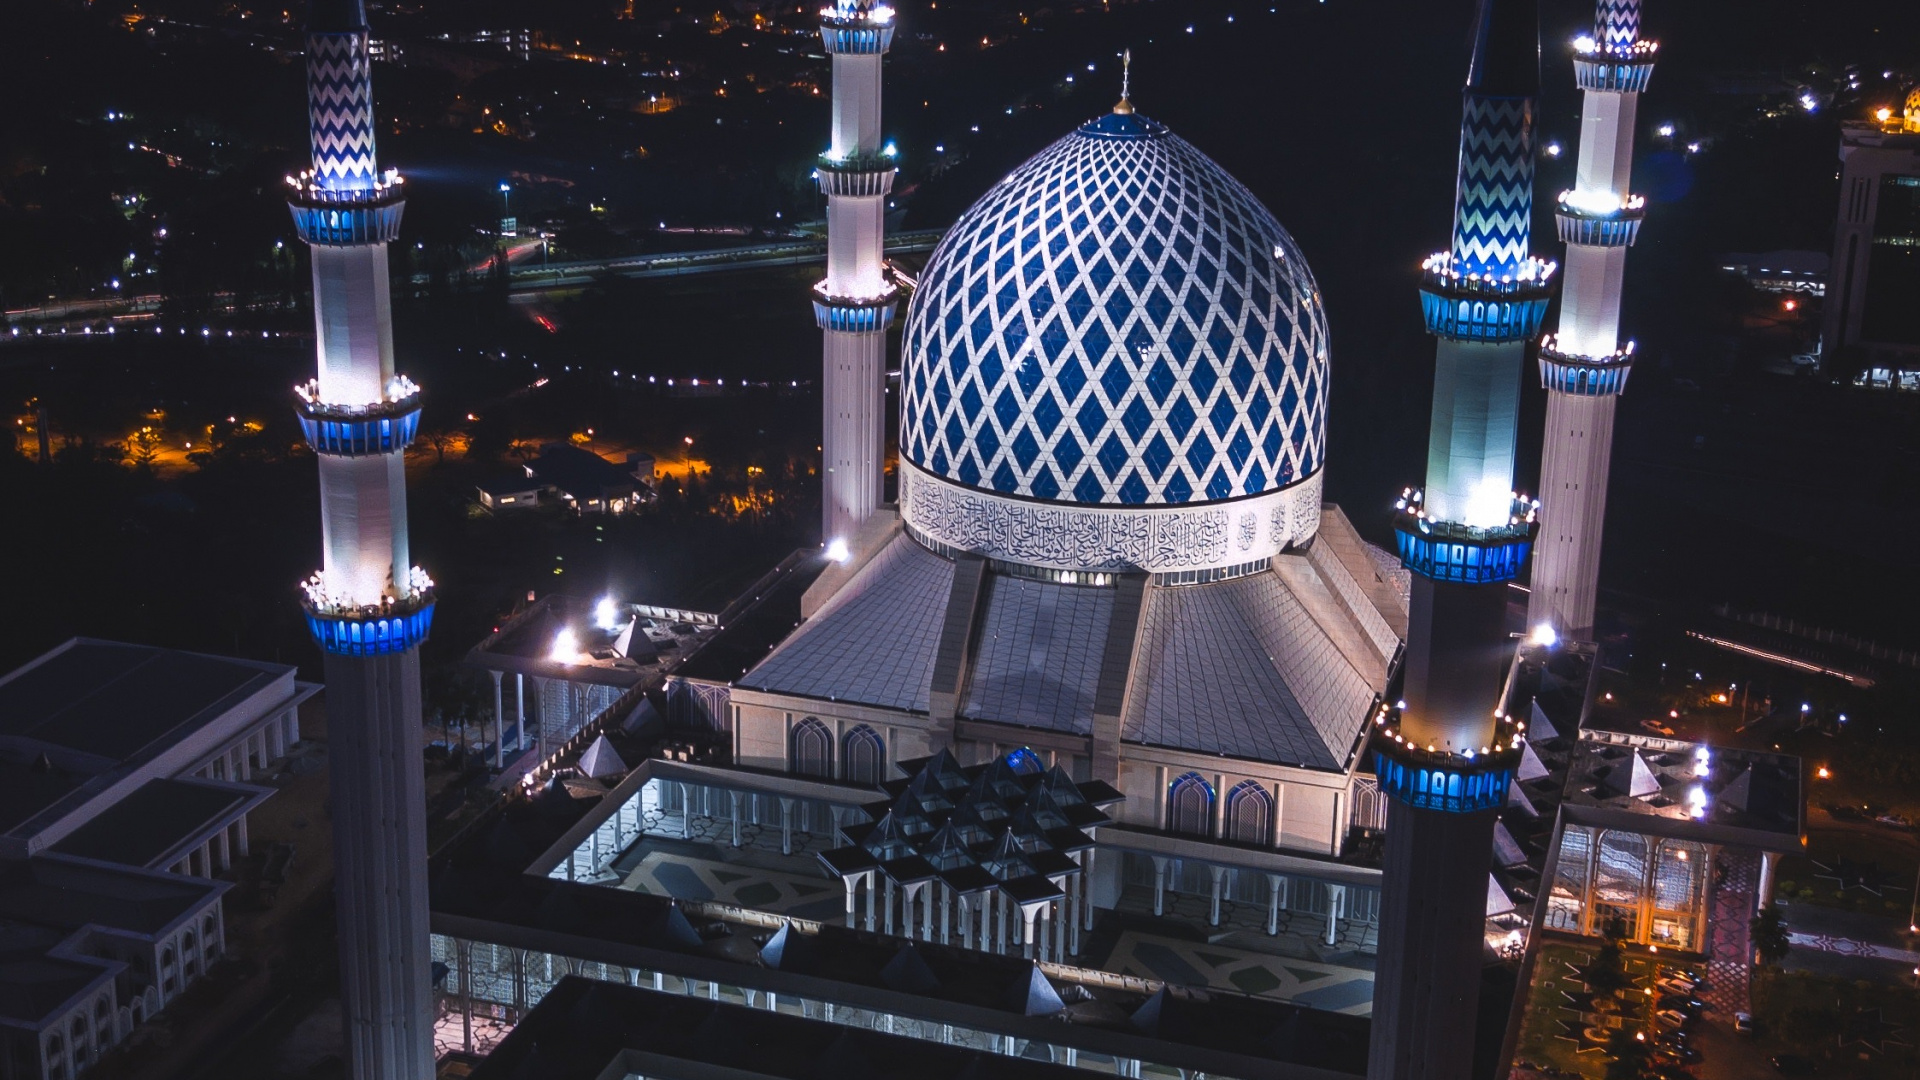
{"x": 1445, "y": 754}
{"x": 368, "y": 607}
{"x": 1584, "y": 367}
{"x": 855, "y": 304}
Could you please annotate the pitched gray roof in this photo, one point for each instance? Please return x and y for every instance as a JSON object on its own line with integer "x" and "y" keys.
{"x": 873, "y": 643}
{"x": 1241, "y": 668}
{"x": 1037, "y": 662}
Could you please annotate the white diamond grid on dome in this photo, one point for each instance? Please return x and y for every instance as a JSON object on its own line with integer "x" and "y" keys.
{"x": 1119, "y": 321}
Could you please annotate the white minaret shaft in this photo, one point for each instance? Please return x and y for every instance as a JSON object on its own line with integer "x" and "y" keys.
{"x": 855, "y": 304}
{"x": 369, "y": 608}
{"x": 1584, "y": 366}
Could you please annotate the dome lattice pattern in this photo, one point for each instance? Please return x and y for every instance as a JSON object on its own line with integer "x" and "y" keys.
{"x": 1121, "y": 322}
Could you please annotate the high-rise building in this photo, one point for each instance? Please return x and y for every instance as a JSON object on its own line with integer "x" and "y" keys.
{"x": 856, "y": 301}
{"x": 1445, "y": 754}
{"x": 1871, "y": 322}
{"x": 369, "y": 607}
{"x": 1584, "y": 366}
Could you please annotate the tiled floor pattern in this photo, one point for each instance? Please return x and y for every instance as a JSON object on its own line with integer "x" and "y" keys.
{"x": 1730, "y": 946}
{"x": 663, "y": 873}
{"x": 1189, "y": 963}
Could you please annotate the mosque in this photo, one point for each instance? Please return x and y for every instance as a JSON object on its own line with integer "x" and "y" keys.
{"x": 1097, "y": 747}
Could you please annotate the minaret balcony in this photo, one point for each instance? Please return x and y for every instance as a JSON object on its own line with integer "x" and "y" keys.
{"x": 331, "y": 217}
{"x": 1613, "y": 69}
{"x": 1462, "y": 781}
{"x": 1484, "y": 307}
{"x": 855, "y": 314}
{"x": 380, "y": 427}
{"x": 1464, "y": 554}
{"x": 862, "y": 175}
{"x": 1599, "y": 221}
{"x": 345, "y": 626}
{"x": 1586, "y": 376}
{"x": 856, "y": 28}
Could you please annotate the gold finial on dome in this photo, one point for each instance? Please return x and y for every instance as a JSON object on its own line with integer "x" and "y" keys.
{"x": 1125, "y": 107}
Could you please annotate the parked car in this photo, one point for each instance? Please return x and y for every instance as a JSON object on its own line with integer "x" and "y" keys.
{"x": 1676, "y": 984}
{"x": 1743, "y": 1024}
{"x": 1672, "y": 1018}
{"x": 1686, "y": 1003}
{"x": 1657, "y": 728}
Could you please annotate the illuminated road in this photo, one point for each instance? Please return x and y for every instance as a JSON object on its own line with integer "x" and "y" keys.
{"x": 526, "y": 280}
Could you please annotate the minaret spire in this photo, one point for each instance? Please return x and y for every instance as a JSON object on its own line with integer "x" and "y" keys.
{"x": 1584, "y": 366}
{"x": 368, "y": 607}
{"x": 1445, "y": 754}
{"x": 856, "y": 301}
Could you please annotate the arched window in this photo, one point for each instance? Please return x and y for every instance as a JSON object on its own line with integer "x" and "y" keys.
{"x": 812, "y": 751}
{"x": 863, "y": 754}
{"x": 1190, "y": 806}
{"x": 1250, "y": 813}
{"x": 1025, "y": 762}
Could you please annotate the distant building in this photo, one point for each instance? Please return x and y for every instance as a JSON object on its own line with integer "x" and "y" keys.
{"x": 513, "y": 489}
{"x": 588, "y": 482}
{"x": 123, "y": 793}
{"x": 1876, "y": 248}
{"x": 1780, "y": 271}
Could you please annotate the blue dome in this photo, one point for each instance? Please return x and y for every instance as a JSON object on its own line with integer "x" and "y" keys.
{"x": 1117, "y": 322}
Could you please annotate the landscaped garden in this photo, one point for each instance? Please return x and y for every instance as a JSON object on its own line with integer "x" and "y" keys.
{"x": 1854, "y": 1029}
{"x": 1593, "y": 1012}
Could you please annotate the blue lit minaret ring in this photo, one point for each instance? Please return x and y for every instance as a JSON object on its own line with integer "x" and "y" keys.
{"x": 1444, "y": 755}
{"x": 855, "y": 303}
{"x": 368, "y": 606}
{"x": 1584, "y": 367}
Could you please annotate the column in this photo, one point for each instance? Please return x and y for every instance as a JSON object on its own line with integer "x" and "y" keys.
{"x": 786, "y": 826}
{"x": 966, "y": 924}
{"x": 241, "y": 835}
{"x": 946, "y": 913}
{"x": 519, "y": 711}
{"x": 852, "y": 882}
{"x": 1336, "y": 907}
{"x": 889, "y": 900}
{"x": 734, "y": 798}
{"x": 222, "y": 853}
{"x": 872, "y": 883}
{"x": 1159, "y": 884}
{"x": 1273, "y": 904}
{"x": 1077, "y": 886}
{"x": 1213, "y": 915}
{"x": 499, "y": 723}
{"x": 540, "y": 722}
{"x": 1027, "y": 913}
{"x": 1769, "y": 865}
{"x": 926, "y": 911}
{"x": 1000, "y": 925}
{"x": 1086, "y": 886}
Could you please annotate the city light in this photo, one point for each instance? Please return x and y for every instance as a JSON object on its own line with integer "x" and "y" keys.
{"x": 1544, "y": 636}
{"x": 1666, "y": 131}
{"x": 837, "y": 551}
{"x": 606, "y": 614}
{"x": 566, "y": 649}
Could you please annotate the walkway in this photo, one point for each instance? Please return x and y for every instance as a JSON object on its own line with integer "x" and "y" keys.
{"x": 1729, "y": 964}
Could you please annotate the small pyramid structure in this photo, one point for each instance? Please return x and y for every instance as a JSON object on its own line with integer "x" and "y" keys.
{"x": 1633, "y": 778}
{"x": 602, "y": 761}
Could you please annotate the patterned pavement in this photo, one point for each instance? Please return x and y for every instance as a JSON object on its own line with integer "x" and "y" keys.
{"x": 664, "y": 873}
{"x": 1191, "y": 963}
{"x": 1731, "y": 948}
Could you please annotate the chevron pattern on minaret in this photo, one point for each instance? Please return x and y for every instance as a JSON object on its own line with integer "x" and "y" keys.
{"x": 340, "y": 111}
{"x": 1616, "y": 23}
{"x": 1493, "y": 204}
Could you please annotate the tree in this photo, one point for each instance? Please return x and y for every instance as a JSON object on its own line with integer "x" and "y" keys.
{"x": 1630, "y": 1052}
{"x": 1769, "y": 933}
{"x": 143, "y": 446}
{"x": 1608, "y": 971}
